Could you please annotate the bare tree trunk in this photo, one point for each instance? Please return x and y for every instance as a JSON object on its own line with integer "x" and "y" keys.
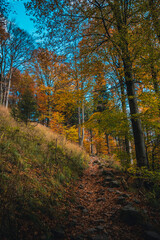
{"x": 121, "y": 23}
{"x": 155, "y": 17}
{"x": 91, "y": 146}
{"x": 2, "y": 76}
{"x": 155, "y": 82}
{"x": 123, "y": 101}
{"x": 79, "y": 125}
{"x": 122, "y": 49}
{"x": 130, "y": 151}
{"x": 82, "y": 137}
{"x": 136, "y": 122}
{"x": 107, "y": 141}
{"x": 9, "y": 86}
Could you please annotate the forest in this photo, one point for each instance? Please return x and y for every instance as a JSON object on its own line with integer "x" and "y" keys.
{"x": 84, "y": 89}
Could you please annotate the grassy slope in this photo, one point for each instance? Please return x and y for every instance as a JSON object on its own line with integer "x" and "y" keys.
{"x": 36, "y": 167}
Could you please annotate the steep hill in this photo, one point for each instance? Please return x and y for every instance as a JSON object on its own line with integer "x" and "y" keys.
{"x": 37, "y": 167}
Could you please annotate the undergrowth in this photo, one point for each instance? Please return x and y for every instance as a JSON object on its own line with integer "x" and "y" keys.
{"x": 147, "y": 181}
{"x": 36, "y": 169}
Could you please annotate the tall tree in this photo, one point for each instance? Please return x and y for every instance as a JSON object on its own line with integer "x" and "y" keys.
{"x": 102, "y": 22}
{"x": 15, "y": 50}
{"x": 52, "y": 76}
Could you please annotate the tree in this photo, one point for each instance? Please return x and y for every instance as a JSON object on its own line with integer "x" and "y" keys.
{"x": 109, "y": 24}
{"x": 26, "y": 109}
{"x": 154, "y": 11}
{"x": 15, "y": 50}
{"x": 53, "y": 84}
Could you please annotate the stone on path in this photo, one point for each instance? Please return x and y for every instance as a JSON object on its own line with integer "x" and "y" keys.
{"x": 100, "y": 237}
{"x": 80, "y": 207}
{"x": 101, "y": 200}
{"x": 99, "y": 221}
{"x": 131, "y": 216}
{"x": 107, "y": 173}
{"x": 111, "y": 190}
{"x": 100, "y": 228}
{"x": 121, "y": 200}
{"x": 85, "y": 210}
{"x": 150, "y": 235}
{"x": 115, "y": 184}
{"x": 59, "y": 233}
{"x": 81, "y": 186}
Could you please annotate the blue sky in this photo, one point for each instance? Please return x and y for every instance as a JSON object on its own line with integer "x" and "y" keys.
{"x": 18, "y": 13}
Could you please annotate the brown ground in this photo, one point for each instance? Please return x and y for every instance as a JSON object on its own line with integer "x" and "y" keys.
{"x": 94, "y": 214}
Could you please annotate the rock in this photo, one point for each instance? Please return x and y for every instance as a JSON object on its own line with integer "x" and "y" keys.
{"x": 107, "y": 173}
{"x": 149, "y": 227}
{"x": 95, "y": 161}
{"x": 150, "y": 235}
{"x": 108, "y": 179}
{"x": 100, "y": 167}
{"x": 98, "y": 182}
{"x": 121, "y": 200}
{"x": 111, "y": 190}
{"x": 118, "y": 192}
{"x": 80, "y": 207}
{"x": 93, "y": 174}
{"x": 85, "y": 210}
{"x": 144, "y": 211}
{"x": 100, "y": 221}
{"x": 81, "y": 187}
{"x": 98, "y": 163}
{"x": 90, "y": 231}
{"x": 101, "y": 199}
{"x": 105, "y": 184}
{"x": 59, "y": 233}
{"x": 114, "y": 184}
{"x": 101, "y": 191}
{"x": 131, "y": 215}
{"x": 100, "y": 228}
{"x": 125, "y": 195}
{"x": 122, "y": 194}
{"x": 100, "y": 237}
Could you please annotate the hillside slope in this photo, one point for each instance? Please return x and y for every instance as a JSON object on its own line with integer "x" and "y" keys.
{"x": 36, "y": 168}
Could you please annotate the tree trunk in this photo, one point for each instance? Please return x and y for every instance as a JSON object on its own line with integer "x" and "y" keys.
{"x": 82, "y": 137}
{"x": 91, "y": 134}
{"x": 79, "y": 125}
{"x": 122, "y": 49}
{"x": 123, "y": 101}
{"x": 136, "y": 122}
{"x": 155, "y": 82}
{"x": 9, "y": 86}
{"x": 107, "y": 141}
{"x": 155, "y": 17}
{"x": 130, "y": 151}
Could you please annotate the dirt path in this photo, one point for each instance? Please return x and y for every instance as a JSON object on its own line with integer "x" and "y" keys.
{"x": 100, "y": 198}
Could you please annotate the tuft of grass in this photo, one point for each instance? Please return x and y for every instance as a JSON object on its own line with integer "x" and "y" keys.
{"x": 36, "y": 167}
{"x": 149, "y": 182}
{"x": 112, "y": 161}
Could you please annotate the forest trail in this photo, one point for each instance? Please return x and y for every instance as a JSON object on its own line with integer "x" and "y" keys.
{"x": 101, "y": 202}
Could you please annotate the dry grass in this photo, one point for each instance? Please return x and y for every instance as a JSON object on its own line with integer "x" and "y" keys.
{"x": 71, "y": 149}
{"x": 36, "y": 166}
